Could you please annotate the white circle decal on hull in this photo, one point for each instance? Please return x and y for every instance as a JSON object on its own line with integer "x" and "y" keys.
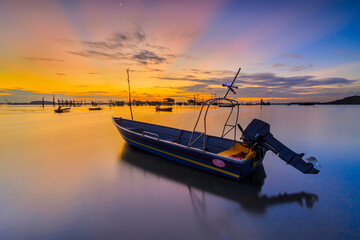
{"x": 218, "y": 162}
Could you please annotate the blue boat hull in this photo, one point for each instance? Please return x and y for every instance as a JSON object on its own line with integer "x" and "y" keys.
{"x": 189, "y": 156}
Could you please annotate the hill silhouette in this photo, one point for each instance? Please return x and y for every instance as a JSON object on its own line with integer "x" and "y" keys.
{"x": 347, "y": 100}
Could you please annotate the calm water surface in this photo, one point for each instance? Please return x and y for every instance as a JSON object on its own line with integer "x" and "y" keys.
{"x": 71, "y": 175}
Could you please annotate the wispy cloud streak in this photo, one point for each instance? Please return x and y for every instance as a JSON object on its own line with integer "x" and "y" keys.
{"x": 265, "y": 84}
{"x": 134, "y": 47}
{"x": 43, "y": 59}
{"x": 291, "y": 68}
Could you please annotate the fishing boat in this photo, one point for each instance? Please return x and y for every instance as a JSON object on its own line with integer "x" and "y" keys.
{"x": 61, "y": 110}
{"x": 168, "y": 109}
{"x": 225, "y": 105}
{"x": 230, "y": 157}
{"x": 94, "y": 108}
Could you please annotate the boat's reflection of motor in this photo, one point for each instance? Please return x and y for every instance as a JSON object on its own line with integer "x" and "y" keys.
{"x": 247, "y": 192}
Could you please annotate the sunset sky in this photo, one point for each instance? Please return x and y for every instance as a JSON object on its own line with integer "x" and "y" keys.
{"x": 288, "y": 50}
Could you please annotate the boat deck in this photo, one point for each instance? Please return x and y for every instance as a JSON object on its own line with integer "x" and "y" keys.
{"x": 213, "y": 144}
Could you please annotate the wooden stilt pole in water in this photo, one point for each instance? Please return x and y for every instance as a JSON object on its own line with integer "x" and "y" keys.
{"x": 128, "y": 78}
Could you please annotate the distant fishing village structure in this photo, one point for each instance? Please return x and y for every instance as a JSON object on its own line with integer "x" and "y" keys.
{"x": 165, "y": 102}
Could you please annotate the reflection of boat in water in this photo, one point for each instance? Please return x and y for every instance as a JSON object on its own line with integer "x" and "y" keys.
{"x": 246, "y": 192}
{"x": 94, "y": 108}
{"x": 62, "y": 110}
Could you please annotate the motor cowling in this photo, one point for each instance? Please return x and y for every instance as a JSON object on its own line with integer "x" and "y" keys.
{"x": 255, "y": 131}
{"x": 258, "y": 132}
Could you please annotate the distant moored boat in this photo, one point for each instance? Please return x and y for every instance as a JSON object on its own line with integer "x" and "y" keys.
{"x": 94, "y": 108}
{"x": 62, "y": 110}
{"x": 168, "y": 109}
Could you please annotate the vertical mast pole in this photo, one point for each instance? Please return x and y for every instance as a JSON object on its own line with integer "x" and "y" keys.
{"x": 128, "y": 78}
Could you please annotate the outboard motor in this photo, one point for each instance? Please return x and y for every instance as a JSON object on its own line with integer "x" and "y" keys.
{"x": 258, "y": 132}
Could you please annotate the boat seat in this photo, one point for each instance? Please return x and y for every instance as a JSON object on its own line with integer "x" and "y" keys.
{"x": 236, "y": 150}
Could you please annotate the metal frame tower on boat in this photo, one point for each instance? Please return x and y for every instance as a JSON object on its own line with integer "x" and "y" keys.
{"x": 207, "y": 105}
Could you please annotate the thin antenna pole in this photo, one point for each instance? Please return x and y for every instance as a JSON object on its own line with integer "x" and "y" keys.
{"x": 128, "y": 78}
{"x": 232, "y": 83}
